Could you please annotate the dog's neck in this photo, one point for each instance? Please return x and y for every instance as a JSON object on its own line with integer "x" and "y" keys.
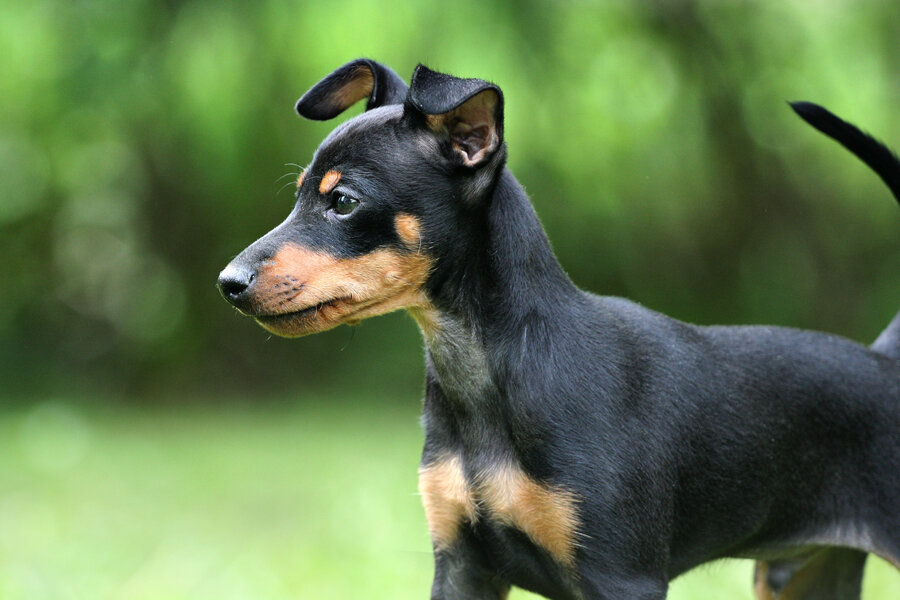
{"x": 511, "y": 283}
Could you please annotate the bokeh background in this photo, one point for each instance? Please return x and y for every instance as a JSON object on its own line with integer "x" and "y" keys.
{"x": 156, "y": 445}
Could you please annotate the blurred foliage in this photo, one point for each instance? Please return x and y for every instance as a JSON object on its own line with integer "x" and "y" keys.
{"x": 143, "y": 144}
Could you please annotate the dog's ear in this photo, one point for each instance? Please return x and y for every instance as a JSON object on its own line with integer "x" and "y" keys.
{"x": 467, "y": 112}
{"x": 349, "y": 84}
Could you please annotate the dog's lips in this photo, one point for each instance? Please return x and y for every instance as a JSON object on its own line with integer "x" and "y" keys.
{"x": 311, "y": 319}
{"x": 303, "y": 313}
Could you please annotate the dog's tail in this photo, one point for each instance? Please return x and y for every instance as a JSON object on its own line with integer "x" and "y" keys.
{"x": 869, "y": 150}
{"x": 881, "y": 160}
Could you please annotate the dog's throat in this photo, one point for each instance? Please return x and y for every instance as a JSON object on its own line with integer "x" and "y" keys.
{"x": 456, "y": 353}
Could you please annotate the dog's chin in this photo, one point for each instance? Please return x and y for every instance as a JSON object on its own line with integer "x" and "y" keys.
{"x": 313, "y": 319}
{"x": 329, "y": 315}
{"x": 294, "y": 327}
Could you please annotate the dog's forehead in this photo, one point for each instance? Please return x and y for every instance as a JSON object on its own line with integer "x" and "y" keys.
{"x": 359, "y": 132}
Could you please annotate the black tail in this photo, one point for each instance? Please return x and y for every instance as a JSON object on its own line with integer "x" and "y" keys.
{"x": 881, "y": 160}
{"x": 869, "y": 150}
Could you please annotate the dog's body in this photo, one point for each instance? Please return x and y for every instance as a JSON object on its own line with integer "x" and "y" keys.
{"x": 578, "y": 446}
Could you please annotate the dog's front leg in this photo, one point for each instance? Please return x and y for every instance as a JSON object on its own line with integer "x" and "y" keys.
{"x": 461, "y": 572}
{"x": 603, "y": 585}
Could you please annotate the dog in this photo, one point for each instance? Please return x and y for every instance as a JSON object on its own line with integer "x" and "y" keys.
{"x": 578, "y": 446}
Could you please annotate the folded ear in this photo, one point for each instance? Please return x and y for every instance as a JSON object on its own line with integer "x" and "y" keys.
{"x": 348, "y": 85}
{"x": 469, "y": 112}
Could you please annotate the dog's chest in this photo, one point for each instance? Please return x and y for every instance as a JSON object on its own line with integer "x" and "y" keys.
{"x": 498, "y": 501}
{"x": 526, "y": 527}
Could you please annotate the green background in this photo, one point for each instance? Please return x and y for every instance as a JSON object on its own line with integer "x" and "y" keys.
{"x": 156, "y": 445}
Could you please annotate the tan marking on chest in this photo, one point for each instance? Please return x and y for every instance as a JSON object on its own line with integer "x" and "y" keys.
{"x": 329, "y": 180}
{"x": 547, "y": 515}
{"x": 409, "y": 229}
{"x": 349, "y": 289}
{"x": 447, "y": 499}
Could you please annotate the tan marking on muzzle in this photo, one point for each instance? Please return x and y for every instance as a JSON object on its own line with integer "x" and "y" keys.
{"x": 301, "y": 178}
{"x": 348, "y": 289}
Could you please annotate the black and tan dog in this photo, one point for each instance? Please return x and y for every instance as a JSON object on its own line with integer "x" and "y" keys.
{"x": 577, "y": 446}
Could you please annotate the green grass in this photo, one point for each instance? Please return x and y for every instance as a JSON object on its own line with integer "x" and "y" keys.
{"x": 261, "y": 503}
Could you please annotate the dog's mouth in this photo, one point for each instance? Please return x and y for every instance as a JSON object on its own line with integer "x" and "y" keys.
{"x": 316, "y": 317}
{"x": 331, "y": 313}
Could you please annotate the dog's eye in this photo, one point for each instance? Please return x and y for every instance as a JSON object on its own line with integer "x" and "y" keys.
{"x": 344, "y": 205}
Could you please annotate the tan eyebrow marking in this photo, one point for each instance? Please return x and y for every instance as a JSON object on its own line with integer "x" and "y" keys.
{"x": 301, "y": 177}
{"x": 329, "y": 180}
{"x": 408, "y": 229}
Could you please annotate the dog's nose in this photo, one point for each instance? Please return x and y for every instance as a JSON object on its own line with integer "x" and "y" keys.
{"x": 234, "y": 284}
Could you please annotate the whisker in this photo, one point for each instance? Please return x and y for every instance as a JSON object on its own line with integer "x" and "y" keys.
{"x": 291, "y": 174}
{"x": 347, "y": 343}
{"x": 281, "y": 189}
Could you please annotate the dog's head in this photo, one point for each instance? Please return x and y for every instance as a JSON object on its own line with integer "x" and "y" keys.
{"x": 387, "y": 207}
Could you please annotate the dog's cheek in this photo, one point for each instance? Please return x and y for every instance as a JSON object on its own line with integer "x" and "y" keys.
{"x": 387, "y": 273}
{"x": 409, "y": 230}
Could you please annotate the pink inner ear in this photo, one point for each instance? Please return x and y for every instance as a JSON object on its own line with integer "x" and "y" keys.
{"x": 473, "y": 142}
{"x": 471, "y": 127}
